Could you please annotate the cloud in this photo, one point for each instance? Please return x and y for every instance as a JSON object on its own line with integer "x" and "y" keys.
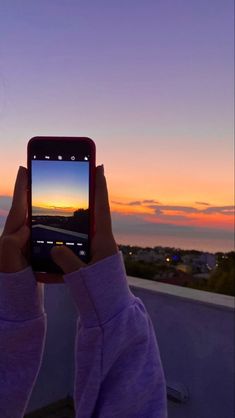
{"x": 2, "y": 221}
{"x": 202, "y": 203}
{"x": 185, "y": 209}
{"x": 136, "y": 225}
{"x": 3, "y": 213}
{"x": 163, "y": 209}
{"x": 224, "y": 210}
{"x": 39, "y": 209}
{"x": 175, "y": 217}
{"x": 150, "y": 201}
{"x": 5, "y": 202}
{"x": 135, "y": 202}
{"x": 62, "y": 207}
{"x": 118, "y": 203}
{"x": 51, "y": 209}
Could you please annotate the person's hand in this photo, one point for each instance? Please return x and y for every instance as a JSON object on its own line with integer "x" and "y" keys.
{"x": 13, "y": 241}
{"x": 14, "y": 249}
{"x": 103, "y": 243}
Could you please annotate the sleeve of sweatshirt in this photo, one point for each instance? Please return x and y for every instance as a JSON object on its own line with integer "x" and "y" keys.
{"x": 22, "y": 339}
{"x": 118, "y": 367}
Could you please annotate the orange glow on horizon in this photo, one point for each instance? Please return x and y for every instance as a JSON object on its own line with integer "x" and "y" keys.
{"x": 200, "y": 220}
{"x": 134, "y": 190}
{"x": 59, "y": 206}
{"x": 177, "y": 217}
{"x": 130, "y": 210}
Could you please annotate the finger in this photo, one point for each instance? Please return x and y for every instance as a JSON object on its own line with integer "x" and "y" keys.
{"x": 21, "y": 237}
{"x": 18, "y": 212}
{"x": 66, "y": 259}
{"x": 11, "y": 254}
{"x": 102, "y": 211}
{"x": 18, "y": 239}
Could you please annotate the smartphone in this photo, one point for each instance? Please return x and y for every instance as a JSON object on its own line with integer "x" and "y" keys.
{"x": 61, "y": 198}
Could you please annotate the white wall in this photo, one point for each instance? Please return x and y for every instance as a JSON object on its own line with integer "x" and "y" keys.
{"x": 195, "y": 333}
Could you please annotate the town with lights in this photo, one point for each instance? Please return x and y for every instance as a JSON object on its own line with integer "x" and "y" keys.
{"x": 212, "y": 272}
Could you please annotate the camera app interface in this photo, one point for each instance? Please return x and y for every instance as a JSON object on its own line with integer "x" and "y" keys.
{"x": 60, "y": 205}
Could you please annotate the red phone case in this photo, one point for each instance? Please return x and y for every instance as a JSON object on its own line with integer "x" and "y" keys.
{"x": 92, "y": 150}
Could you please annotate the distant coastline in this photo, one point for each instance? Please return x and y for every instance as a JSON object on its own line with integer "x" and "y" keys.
{"x": 172, "y": 241}
{"x": 203, "y": 245}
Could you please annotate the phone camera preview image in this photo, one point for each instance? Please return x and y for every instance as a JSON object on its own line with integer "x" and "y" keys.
{"x": 60, "y": 209}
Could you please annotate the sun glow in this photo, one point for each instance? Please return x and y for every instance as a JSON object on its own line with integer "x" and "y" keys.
{"x": 60, "y": 205}
{"x": 184, "y": 214}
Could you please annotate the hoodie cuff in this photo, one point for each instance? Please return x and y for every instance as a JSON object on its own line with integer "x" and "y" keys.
{"x": 21, "y": 297}
{"x": 100, "y": 290}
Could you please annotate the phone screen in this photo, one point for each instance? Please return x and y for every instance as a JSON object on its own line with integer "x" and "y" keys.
{"x": 60, "y": 202}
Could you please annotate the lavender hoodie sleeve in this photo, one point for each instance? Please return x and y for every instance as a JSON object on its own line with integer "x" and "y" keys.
{"x": 118, "y": 367}
{"x": 22, "y": 338}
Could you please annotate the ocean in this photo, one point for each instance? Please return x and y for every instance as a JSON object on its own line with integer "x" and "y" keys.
{"x": 200, "y": 244}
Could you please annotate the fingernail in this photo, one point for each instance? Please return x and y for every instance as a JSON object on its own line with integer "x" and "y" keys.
{"x": 58, "y": 248}
{"x": 21, "y": 168}
{"x": 100, "y": 168}
{"x": 21, "y": 177}
{"x": 21, "y": 171}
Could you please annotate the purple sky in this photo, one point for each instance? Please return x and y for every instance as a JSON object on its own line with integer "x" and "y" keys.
{"x": 150, "y": 81}
{"x": 59, "y": 186}
{"x": 119, "y": 67}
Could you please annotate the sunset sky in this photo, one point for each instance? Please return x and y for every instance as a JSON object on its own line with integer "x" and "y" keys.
{"x": 59, "y": 187}
{"x": 152, "y": 83}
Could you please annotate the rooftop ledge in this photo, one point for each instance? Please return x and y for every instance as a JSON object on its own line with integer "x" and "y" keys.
{"x": 199, "y": 296}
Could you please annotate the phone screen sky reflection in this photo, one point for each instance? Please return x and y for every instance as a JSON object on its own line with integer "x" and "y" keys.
{"x": 59, "y": 187}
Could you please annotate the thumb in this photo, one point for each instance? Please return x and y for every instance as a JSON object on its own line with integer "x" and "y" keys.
{"x": 66, "y": 259}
